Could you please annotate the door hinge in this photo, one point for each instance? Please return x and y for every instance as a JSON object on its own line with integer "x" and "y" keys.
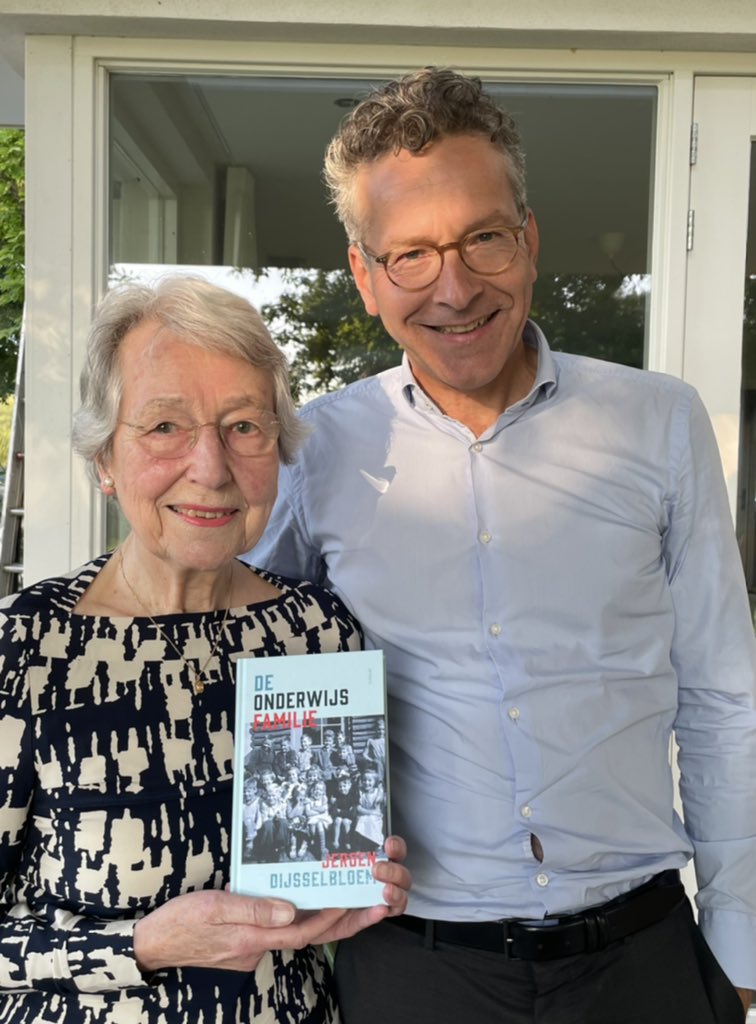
{"x": 693, "y": 143}
{"x": 691, "y": 229}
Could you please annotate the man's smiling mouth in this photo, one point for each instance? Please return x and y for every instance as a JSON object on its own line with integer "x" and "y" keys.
{"x": 465, "y": 328}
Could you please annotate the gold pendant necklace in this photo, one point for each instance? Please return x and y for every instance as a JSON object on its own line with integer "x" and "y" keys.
{"x": 198, "y": 683}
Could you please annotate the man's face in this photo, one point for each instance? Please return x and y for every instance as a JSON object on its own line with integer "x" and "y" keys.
{"x": 463, "y": 333}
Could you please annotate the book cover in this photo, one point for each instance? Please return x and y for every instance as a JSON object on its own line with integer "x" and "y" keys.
{"x": 310, "y": 797}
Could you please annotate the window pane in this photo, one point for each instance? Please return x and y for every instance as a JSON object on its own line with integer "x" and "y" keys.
{"x": 217, "y": 171}
{"x": 746, "y": 513}
{"x": 224, "y": 174}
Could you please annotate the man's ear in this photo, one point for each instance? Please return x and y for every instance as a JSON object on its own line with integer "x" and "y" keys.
{"x": 532, "y": 241}
{"x": 363, "y": 280}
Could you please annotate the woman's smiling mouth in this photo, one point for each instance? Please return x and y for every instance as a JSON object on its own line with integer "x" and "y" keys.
{"x": 204, "y": 514}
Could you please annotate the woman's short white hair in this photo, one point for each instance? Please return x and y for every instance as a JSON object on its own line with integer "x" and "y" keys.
{"x": 200, "y": 313}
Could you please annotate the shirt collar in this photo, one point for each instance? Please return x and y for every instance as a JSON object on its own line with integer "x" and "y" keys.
{"x": 546, "y": 378}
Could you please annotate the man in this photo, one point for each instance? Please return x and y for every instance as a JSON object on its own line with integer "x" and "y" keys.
{"x": 542, "y": 546}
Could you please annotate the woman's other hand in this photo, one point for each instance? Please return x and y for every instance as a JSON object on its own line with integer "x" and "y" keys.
{"x": 342, "y": 924}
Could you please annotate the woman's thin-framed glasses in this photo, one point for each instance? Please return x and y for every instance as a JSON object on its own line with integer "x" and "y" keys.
{"x": 487, "y": 251}
{"x": 170, "y": 438}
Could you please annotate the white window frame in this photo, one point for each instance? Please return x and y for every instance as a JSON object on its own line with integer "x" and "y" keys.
{"x": 67, "y": 124}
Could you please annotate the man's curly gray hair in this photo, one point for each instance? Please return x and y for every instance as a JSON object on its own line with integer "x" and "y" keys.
{"x": 410, "y": 113}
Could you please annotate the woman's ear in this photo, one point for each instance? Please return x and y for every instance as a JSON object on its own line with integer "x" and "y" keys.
{"x": 107, "y": 483}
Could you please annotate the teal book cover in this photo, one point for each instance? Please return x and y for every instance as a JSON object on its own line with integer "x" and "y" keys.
{"x": 310, "y": 797}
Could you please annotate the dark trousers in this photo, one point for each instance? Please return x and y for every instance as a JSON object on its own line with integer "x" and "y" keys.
{"x": 665, "y": 974}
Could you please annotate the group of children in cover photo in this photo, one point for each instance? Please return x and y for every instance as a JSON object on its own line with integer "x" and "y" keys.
{"x": 307, "y": 801}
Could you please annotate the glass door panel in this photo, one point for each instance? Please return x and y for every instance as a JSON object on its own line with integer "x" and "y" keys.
{"x": 226, "y": 172}
{"x": 222, "y": 175}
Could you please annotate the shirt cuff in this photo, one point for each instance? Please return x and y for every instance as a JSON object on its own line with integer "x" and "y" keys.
{"x": 732, "y": 939}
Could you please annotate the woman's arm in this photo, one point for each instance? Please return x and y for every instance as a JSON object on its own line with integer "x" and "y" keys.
{"x": 41, "y": 946}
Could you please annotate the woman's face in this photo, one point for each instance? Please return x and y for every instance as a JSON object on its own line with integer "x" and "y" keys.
{"x": 198, "y": 511}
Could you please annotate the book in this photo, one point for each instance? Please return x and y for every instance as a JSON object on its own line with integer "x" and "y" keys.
{"x": 310, "y": 794}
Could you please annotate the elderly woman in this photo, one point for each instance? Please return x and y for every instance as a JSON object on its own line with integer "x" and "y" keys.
{"x": 117, "y": 694}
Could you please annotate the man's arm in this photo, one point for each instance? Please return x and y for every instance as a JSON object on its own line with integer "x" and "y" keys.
{"x": 715, "y": 658}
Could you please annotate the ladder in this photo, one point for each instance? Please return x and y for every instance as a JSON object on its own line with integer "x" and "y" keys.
{"x": 12, "y": 517}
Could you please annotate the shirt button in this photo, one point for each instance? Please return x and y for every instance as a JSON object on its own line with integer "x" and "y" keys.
{"x": 542, "y": 880}
{"x": 514, "y": 713}
{"x": 495, "y": 629}
{"x": 526, "y": 811}
{"x": 484, "y": 537}
{"x": 477, "y": 447}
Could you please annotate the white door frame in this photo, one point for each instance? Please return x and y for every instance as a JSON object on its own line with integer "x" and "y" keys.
{"x": 725, "y": 115}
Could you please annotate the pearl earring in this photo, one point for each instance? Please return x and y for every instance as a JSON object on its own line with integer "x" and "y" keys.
{"x": 107, "y": 482}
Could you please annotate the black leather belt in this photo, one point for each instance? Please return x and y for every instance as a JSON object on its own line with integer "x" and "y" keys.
{"x": 588, "y": 932}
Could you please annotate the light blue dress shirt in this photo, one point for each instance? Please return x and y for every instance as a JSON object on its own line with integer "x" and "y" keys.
{"x": 554, "y": 598}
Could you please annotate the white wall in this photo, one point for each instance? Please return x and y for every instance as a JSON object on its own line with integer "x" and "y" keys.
{"x": 643, "y": 24}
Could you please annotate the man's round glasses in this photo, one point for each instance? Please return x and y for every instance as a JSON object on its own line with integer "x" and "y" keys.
{"x": 486, "y": 251}
{"x": 174, "y": 437}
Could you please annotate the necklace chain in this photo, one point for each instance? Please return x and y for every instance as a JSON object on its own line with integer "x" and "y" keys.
{"x": 198, "y": 683}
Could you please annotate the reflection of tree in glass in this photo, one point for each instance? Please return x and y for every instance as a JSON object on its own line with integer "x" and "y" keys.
{"x": 320, "y": 319}
{"x": 11, "y": 252}
{"x": 599, "y": 315}
{"x": 746, "y": 508}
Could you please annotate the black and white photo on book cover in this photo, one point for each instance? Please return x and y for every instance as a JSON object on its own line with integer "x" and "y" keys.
{"x": 311, "y": 807}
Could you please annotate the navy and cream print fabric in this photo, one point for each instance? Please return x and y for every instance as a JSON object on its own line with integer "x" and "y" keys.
{"x": 115, "y": 787}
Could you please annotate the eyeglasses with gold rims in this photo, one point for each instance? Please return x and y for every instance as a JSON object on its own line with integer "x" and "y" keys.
{"x": 247, "y": 435}
{"x": 486, "y": 251}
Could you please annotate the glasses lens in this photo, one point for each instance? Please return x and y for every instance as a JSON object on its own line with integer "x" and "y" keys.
{"x": 167, "y": 440}
{"x": 414, "y": 268}
{"x": 251, "y": 437}
{"x": 489, "y": 252}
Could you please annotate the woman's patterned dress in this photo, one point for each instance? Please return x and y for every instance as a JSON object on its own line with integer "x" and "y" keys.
{"x": 115, "y": 795}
